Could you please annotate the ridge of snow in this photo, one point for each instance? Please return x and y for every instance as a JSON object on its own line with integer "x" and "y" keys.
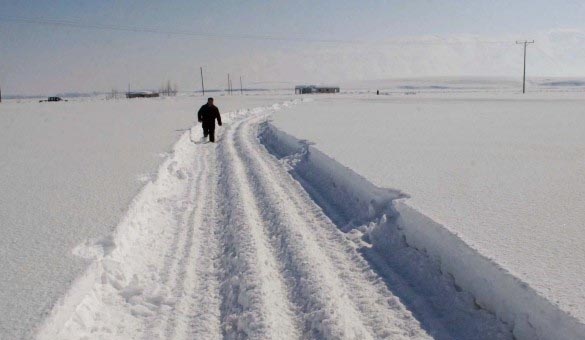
{"x": 555, "y": 53}
{"x": 435, "y": 264}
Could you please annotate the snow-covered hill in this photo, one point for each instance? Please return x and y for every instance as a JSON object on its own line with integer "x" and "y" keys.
{"x": 559, "y": 53}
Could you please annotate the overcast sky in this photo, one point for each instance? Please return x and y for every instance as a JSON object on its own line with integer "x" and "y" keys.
{"x": 37, "y": 58}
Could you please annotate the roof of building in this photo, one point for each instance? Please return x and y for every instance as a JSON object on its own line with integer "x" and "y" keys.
{"x": 314, "y": 87}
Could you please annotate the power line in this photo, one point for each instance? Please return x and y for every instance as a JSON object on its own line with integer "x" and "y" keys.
{"x": 155, "y": 30}
{"x": 143, "y": 29}
{"x": 525, "y": 42}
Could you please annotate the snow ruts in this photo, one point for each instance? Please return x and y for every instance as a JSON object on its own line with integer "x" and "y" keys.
{"x": 224, "y": 243}
{"x": 335, "y": 293}
{"x": 255, "y": 302}
{"x": 191, "y": 262}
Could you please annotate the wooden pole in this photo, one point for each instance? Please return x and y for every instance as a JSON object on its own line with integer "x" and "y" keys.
{"x": 525, "y": 42}
{"x": 202, "y": 84}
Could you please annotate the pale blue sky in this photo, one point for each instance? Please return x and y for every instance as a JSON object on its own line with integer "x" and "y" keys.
{"x": 40, "y": 58}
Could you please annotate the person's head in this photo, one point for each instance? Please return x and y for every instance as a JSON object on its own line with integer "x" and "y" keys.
{"x": 210, "y": 101}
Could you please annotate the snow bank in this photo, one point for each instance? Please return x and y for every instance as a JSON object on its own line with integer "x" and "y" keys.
{"x": 437, "y": 264}
{"x": 315, "y": 169}
{"x": 119, "y": 256}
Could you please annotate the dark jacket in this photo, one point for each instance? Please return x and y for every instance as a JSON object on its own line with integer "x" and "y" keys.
{"x": 208, "y": 114}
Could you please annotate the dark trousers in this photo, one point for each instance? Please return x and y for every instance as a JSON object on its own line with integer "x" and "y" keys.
{"x": 209, "y": 130}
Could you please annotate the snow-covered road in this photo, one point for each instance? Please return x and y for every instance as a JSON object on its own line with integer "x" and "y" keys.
{"x": 225, "y": 243}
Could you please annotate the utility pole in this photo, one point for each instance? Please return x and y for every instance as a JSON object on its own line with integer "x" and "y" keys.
{"x": 525, "y": 42}
{"x": 202, "y": 85}
{"x": 241, "y": 89}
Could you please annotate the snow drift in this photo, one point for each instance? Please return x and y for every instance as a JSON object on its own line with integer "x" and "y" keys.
{"x": 446, "y": 279}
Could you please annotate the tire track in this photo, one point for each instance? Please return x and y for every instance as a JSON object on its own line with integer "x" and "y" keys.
{"x": 255, "y": 299}
{"x": 178, "y": 255}
{"x": 198, "y": 285}
{"x": 363, "y": 307}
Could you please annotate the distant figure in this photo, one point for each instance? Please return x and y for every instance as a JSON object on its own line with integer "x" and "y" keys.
{"x": 377, "y": 92}
{"x": 207, "y": 115}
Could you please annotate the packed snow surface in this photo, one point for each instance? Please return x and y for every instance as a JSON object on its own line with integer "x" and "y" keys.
{"x": 504, "y": 173}
{"x": 68, "y": 172}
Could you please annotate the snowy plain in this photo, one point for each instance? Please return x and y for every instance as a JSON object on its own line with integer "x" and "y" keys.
{"x": 504, "y": 173}
{"x": 224, "y": 243}
{"x": 118, "y": 223}
{"x": 68, "y": 172}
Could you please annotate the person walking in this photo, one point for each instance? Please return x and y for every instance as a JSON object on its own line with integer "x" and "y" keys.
{"x": 207, "y": 115}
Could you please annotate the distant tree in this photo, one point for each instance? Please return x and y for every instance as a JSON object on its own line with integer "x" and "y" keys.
{"x": 114, "y": 94}
{"x": 168, "y": 90}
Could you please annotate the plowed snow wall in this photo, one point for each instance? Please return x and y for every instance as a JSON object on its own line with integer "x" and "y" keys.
{"x": 350, "y": 200}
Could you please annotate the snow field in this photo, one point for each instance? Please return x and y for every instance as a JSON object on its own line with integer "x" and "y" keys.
{"x": 112, "y": 293}
{"x": 224, "y": 243}
{"x": 264, "y": 236}
{"x": 368, "y": 216}
{"x": 68, "y": 173}
{"x": 493, "y": 222}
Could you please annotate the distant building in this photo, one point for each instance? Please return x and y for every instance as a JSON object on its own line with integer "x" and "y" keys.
{"x": 142, "y": 94}
{"x": 305, "y": 89}
{"x": 53, "y": 99}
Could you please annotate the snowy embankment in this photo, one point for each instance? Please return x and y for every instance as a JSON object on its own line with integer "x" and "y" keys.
{"x": 438, "y": 264}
